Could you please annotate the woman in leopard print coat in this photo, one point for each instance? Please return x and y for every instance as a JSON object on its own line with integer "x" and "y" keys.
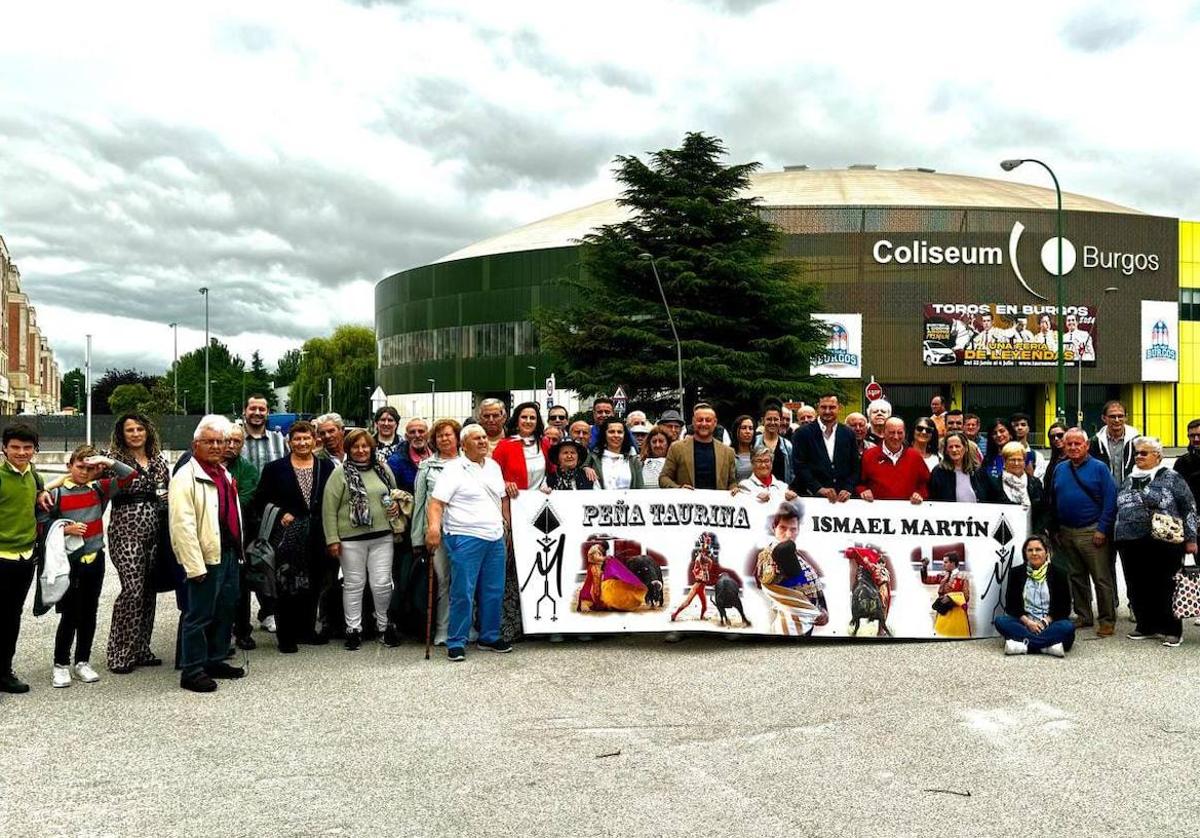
{"x": 133, "y": 535}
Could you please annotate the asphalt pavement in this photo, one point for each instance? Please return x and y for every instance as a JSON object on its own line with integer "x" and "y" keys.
{"x": 625, "y": 736}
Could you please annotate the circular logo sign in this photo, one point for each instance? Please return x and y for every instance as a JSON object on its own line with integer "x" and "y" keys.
{"x": 1050, "y": 256}
{"x": 874, "y": 391}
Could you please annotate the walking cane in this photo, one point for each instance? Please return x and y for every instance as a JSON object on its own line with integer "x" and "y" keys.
{"x": 429, "y": 571}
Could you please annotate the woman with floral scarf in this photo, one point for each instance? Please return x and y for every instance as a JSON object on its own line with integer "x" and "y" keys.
{"x": 356, "y": 513}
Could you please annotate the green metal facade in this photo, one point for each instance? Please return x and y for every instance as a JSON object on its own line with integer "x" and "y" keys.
{"x": 466, "y": 323}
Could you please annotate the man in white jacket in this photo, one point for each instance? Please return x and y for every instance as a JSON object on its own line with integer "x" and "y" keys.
{"x": 206, "y": 533}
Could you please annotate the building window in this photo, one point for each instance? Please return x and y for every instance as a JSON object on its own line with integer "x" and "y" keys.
{"x": 1189, "y": 303}
{"x": 482, "y": 340}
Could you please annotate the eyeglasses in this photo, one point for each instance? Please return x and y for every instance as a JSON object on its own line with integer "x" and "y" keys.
{"x": 212, "y": 442}
{"x": 1057, "y": 436}
{"x": 921, "y": 429}
{"x": 1144, "y": 453}
{"x": 1115, "y": 416}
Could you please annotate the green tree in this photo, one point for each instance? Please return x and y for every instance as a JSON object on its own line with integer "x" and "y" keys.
{"x": 742, "y": 315}
{"x": 161, "y": 398}
{"x": 226, "y": 374}
{"x": 73, "y": 393}
{"x": 348, "y": 358}
{"x": 104, "y": 387}
{"x": 258, "y": 380}
{"x": 128, "y": 398}
{"x": 287, "y": 368}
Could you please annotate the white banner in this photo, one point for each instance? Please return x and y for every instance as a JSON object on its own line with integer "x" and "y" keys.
{"x": 621, "y": 561}
{"x": 1160, "y": 340}
{"x": 842, "y": 357}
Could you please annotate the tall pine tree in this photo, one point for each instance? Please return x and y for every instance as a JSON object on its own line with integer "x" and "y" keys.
{"x": 742, "y": 315}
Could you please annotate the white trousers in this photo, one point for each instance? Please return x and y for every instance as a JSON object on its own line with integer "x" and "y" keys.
{"x": 441, "y": 565}
{"x": 360, "y": 560}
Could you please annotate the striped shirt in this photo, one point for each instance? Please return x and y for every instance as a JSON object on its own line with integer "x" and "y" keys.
{"x": 260, "y": 450}
{"x": 84, "y": 504}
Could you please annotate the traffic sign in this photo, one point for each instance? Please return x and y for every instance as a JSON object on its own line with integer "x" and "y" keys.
{"x": 874, "y": 390}
{"x": 619, "y": 401}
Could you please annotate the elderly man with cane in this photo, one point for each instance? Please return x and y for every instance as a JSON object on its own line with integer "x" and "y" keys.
{"x": 206, "y": 534}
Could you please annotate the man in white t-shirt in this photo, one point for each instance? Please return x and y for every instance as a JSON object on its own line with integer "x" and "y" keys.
{"x": 470, "y": 506}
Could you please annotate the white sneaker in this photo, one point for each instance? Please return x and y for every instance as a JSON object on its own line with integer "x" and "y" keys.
{"x": 84, "y": 672}
{"x": 1015, "y": 647}
{"x": 62, "y": 676}
{"x": 267, "y": 624}
{"x": 1056, "y": 651}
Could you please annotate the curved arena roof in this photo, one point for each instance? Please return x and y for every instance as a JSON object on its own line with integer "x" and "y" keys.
{"x": 858, "y": 186}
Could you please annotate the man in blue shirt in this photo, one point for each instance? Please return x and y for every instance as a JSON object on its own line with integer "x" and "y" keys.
{"x": 1085, "y": 504}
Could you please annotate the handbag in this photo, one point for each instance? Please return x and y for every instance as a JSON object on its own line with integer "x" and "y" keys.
{"x": 260, "y": 553}
{"x": 1185, "y": 602}
{"x": 1166, "y": 528}
{"x": 166, "y": 574}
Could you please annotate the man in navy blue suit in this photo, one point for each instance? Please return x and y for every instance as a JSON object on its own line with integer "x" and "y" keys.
{"x": 825, "y": 459}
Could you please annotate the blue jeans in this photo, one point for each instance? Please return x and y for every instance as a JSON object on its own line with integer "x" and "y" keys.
{"x": 476, "y": 569}
{"x": 1059, "y": 631}
{"x": 207, "y": 621}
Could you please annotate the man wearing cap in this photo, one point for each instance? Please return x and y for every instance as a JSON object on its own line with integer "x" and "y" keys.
{"x": 672, "y": 422}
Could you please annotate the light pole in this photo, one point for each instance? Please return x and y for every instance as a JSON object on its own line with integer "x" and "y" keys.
{"x": 1060, "y": 394}
{"x": 646, "y": 257}
{"x": 1112, "y": 289}
{"x": 300, "y": 390}
{"x": 175, "y": 335}
{"x": 533, "y": 391}
{"x": 185, "y": 392}
{"x": 207, "y": 389}
{"x": 432, "y": 400}
{"x": 88, "y": 384}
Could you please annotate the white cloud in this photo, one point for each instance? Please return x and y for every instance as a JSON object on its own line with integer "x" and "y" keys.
{"x": 288, "y": 155}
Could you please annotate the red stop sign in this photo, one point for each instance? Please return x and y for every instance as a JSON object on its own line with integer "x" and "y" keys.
{"x": 874, "y": 391}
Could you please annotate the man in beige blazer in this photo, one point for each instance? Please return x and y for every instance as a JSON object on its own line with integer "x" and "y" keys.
{"x": 699, "y": 461}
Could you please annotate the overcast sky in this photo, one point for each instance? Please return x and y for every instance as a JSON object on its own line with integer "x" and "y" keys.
{"x": 289, "y": 155}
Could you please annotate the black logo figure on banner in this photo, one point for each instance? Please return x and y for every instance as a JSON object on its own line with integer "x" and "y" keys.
{"x": 1004, "y": 561}
{"x": 549, "y": 560}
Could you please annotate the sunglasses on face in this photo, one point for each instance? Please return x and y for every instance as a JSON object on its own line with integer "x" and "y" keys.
{"x": 921, "y": 429}
{"x": 1057, "y": 436}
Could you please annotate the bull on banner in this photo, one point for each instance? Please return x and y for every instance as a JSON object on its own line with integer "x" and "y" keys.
{"x": 703, "y": 561}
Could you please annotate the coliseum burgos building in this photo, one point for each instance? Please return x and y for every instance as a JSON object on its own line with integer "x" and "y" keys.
{"x": 933, "y": 283}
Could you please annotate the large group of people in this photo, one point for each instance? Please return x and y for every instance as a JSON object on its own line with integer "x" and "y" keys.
{"x": 323, "y": 524}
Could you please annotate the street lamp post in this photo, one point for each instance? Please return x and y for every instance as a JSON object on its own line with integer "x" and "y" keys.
{"x": 533, "y": 390}
{"x": 1060, "y": 394}
{"x": 185, "y": 392}
{"x": 88, "y": 384}
{"x": 1112, "y": 289}
{"x": 207, "y": 387}
{"x": 175, "y": 367}
{"x": 432, "y": 400}
{"x": 646, "y": 257}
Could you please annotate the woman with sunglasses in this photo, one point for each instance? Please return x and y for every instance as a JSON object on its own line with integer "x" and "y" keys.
{"x": 1054, "y": 435}
{"x": 925, "y": 441}
{"x": 1151, "y": 498}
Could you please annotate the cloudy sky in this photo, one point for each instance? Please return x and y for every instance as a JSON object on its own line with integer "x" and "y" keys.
{"x": 289, "y": 155}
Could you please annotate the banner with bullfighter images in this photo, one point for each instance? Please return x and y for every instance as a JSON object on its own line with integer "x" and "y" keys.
{"x": 1006, "y": 335}
{"x": 666, "y": 559}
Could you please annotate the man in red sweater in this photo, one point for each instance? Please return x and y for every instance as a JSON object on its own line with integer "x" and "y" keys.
{"x": 892, "y": 470}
